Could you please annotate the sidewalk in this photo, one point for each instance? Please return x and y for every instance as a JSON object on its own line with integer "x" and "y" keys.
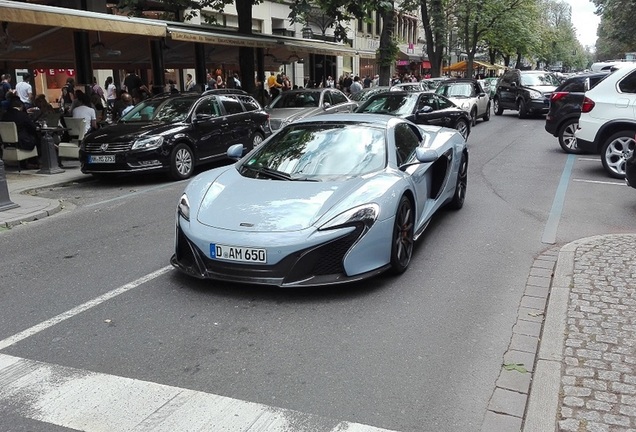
{"x": 30, "y": 207}
{"x": 571, "y": 363}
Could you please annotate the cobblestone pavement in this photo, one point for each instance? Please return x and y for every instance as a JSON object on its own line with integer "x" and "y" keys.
{"x": 598, "y": 383}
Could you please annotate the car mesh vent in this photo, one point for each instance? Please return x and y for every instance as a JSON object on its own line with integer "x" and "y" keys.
{"x": 332, "y": 255}
{"x": 112, "y": 147}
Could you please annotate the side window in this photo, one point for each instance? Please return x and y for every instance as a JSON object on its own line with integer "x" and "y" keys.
{"x": 338, "y": 98}
{"x": 406, "y": 141}
{"x": 506, "y": 79}
{"x": 231, "y": 105}
{"x": 327, "y": 98}
{"x": 208, "y": 106}
{"x": 443, "y": 103}
{"x": 427, "y": 99}
{"x": 249, "y": 103}
{"x": 628, "y": 84}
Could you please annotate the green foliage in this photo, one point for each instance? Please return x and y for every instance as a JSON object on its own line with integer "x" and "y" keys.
{"x": 616, "y": 33}
{"x": 386, "y": 55}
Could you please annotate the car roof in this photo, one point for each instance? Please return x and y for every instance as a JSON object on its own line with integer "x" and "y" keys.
{"x": 458, "y": 80}
{"x": 358, "y": 118}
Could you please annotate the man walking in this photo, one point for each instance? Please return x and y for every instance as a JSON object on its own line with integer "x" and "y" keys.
{"x": 25, "y": 92}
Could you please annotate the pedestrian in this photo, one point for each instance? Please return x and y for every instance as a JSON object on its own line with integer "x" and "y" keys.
{"x": 376, "y": 81}
{"x": 330, "y": 82}
{"x": 98, "y": 90}
{"x": 189, "y": 84}
{"x": 346, "y": 83}
{"x": 67, "y": 96}
{"x": 132, "y": 82}
{"x": 272, "y": 85}
{"x": 367, "y": 82}
{"x": 211, "y": 82}
{"x": 5, "y": 92}
{"x": 111, "y": 91}
{"x": 25, "y": 92}
{"x": 355, "y": 86}
{"x": 84, "y": 109}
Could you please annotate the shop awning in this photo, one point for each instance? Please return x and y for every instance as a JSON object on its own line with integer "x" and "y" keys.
{"x": 235, "y": 40}
{"x": 41, "y": 15}
{"x": 477, "y": 64}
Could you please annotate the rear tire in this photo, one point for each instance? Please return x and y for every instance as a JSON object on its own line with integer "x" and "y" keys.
{"x": 497, "y": 107}
{"x": 567, "y": 139}
{"x": 473, "y": 117}
{"x": 181, "y": 162}
{"x": 403, "y": 236}
{"x": 460, "y": 188}
{"x": 615, "y": 152}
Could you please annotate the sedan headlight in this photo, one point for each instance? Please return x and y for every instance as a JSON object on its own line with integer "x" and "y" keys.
{"x": 147, "y": 143}
{"x": 184, "y": 207}
{"x": 366, "y": 214}
{"x": 535, "y": 94}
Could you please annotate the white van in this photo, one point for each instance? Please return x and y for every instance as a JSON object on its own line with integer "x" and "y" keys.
{"x": 608, "y": 65}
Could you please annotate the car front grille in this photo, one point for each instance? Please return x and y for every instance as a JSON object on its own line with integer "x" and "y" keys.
{"x": 113, "y": 147}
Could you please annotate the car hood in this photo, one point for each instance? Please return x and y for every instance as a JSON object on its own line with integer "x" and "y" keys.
{"x": 291, "y": 114}
{"x": 237, "y": 203}
{"x": 131, "y": 131}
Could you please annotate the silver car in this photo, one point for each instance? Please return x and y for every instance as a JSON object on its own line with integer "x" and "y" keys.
{"x": 469, "y": 96}
{"x": 298, "y": 104}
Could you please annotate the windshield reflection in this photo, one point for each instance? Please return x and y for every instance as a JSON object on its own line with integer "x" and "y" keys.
{"x": 318, "y": 152}
{"x": 161, "y": 110}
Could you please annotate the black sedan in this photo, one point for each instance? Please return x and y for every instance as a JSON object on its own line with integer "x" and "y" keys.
{"x": 419, "y": 107}
{"x": 175, "y": 133}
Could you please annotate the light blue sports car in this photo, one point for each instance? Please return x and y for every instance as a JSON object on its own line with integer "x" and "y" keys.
{"x": 325, "y": 200}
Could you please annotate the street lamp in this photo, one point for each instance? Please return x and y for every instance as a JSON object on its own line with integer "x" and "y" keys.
{"x": 307, "y": 32}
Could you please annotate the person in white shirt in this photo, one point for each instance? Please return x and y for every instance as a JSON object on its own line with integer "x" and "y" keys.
{"x": 85, "y": 110}
{"x": 356, "y": 86}
{"x": 25, "y": 92}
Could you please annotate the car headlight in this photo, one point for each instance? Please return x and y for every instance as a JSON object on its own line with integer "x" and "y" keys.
{"x": 184, "y": 207}
{"x": 366, "y": 214}
{"x": 147, "y": 143}
{"x": 466, "y": 106}
{"x": 535, "y": 94}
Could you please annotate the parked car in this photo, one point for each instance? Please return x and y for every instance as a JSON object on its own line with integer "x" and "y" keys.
{"x": 174, "y": 133}
{"x": 366, "y": 93}
{"x": 490, "y": 85}
{"x": 608, "y": 120}
{"x": 528, "y": 92}
{"x": 421, "y": 108}
{"x": 326, "y": 200}
{"x": 468, "y": 95}
{"x": 565, "y": 108}
{"x": 297, "y": 104}
{"x": 433, "y": 83}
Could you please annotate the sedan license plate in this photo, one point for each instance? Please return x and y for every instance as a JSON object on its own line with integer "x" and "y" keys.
{"x": 101, "y": 158}
{"x": 238, "y": 254}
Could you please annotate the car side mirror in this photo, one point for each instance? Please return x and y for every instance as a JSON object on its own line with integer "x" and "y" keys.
{"x": 426, "y": 109}
{"x": 425, "y": 155}
{"x": 202, "y": 118}
{"x": 235, "y": 152}
{"x": 482, "y": 94}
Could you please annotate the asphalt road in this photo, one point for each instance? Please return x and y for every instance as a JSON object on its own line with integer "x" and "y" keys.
{"x": 420, "y": 352}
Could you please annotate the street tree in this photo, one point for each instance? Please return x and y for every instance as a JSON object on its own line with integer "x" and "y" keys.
{"x": 616, "y": 32}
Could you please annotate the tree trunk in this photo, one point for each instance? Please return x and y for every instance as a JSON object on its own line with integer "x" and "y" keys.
{"x": 246, "y": 54}
{"x": 435, "y": 34}
{"x": 386, "y": 41}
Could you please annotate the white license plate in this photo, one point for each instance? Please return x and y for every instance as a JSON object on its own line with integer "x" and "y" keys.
{"x": 238, "y": 254}
{"x": 101, "y": 158}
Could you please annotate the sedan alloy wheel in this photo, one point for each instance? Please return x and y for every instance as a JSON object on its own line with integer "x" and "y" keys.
{"x": 182, "y": 162}
{"x": 567, "y": 139}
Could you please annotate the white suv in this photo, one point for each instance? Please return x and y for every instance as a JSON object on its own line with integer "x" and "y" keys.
{"x": 608, "y": 120}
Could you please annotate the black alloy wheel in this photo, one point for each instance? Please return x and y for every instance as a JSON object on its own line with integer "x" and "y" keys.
{"x": 521, "y": 106}
{"x": 463, "y": 128}
{"x": 181, "y": 162}
{"x": 462, "y": 183}
{"x": 497, "y": 107}
{"x": 403, "y": 237}
{"x": 567, "y": 139}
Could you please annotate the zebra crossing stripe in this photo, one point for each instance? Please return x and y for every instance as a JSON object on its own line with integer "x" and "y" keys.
{"x": 95, "y": 402}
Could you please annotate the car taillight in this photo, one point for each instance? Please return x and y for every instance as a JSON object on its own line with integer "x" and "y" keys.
{"x": 558, "y": 95}
{"x": 587, "y": 105}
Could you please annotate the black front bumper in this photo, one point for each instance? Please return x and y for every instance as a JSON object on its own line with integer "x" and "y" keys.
{"x": 587, "y": 146}
{"x": 127, "y": 161}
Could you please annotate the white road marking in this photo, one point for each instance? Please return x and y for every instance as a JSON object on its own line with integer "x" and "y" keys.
{"x": 81, "y": 308}
{"x": 598, "y": 159}
{"x": 96, "y": 402}
{"x": 599, "y": 182}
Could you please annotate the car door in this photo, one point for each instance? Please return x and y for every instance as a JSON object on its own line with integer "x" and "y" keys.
{"x": 209, "y": 128}
{"x": 506, "y": 90}
{"x": 482, "y": 98}
{"x": 239, "y": 128}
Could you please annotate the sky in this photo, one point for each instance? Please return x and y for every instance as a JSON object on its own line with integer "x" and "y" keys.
{"x": 585, "y": 21}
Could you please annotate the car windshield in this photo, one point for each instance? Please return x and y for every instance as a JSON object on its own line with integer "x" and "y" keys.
{"x": 546, "y": 79}
{"x": 160, "y": 110}
{"x": 455, "y": 90}
{"x": 400, "y": 104}
{"x": 309, "y": 99}
{"x": 319, "y": 152}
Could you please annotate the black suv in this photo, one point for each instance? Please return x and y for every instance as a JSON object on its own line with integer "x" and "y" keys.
{"x": 174, "y": 133}
{"x": 565, "y": 108}
{"x": 526, "y": 91}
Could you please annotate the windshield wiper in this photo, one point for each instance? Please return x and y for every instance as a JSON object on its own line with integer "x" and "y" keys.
{"x": 271, "y": 173}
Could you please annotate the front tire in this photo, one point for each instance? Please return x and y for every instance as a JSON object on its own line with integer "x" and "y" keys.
{"x": 487, "y": 114}
{"x": 497, "y": 107}
{"x": 403, "y": 236}
{"x": 615, "y": 152}
{"x": 521, "y": 106}
{"x": 256, "y": 139}
{"x": 460, "y": 188}
{"x": 463, "y": 128}
{"x": 567, "y": 139}
{"x": 181, "y": 162}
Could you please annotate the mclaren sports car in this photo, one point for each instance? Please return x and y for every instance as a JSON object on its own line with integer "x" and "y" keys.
{"x": 325, "y": 200}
